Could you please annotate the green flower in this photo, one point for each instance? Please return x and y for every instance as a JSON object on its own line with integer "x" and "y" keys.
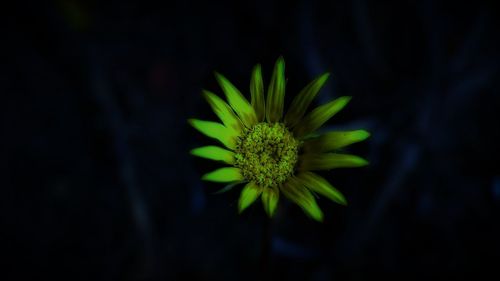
{"x": 275, "y": 154}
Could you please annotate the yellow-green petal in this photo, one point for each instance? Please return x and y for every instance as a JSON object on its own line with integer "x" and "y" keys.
{"x": 214, "y": 153}
{"x": 302, "y": 101}
{"x": 227, "y": 174}
{"x": 319, "y": 116}
{"x": 248, "y": 195}
{"x": 257, "y": 93}
{"x": 228, "y": 187}
{"x": 327, "y": 161}
{"x": 215, "y": 130}
{"x": 270, "y": 199}
{"x": 321, "y": 186}
{"x": 300, "y": 195}
{"x": 335, "y": 140}
{"x": 276, "y": 92}
{"x": 223, "y": 111}
{"x": 237, "y": 101}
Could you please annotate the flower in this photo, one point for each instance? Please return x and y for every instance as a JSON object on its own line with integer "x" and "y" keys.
{"x": 275, "y": 154}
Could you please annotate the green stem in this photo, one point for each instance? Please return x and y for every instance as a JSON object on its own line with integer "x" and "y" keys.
{"x": 265, "y": 250}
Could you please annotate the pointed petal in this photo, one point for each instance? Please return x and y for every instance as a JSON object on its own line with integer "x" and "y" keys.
{"x": 301, "y": 102}
{"x": 276, "y": 92}
{"x": 300, "y": 195}
{"x": 319, "y": 185}
{"x": 215, "y": 130}
{"x": 223, "y": 111}
{"x": 257, "y": 93}
{"x": 248, "y": 195}
{"x": 227, "y": 174}
{"x": 319, "y": 116}
{"x": 228, "y": 187}
{"x": 237, "y": 101}
{"x": 327, "y": 161}
{"x": 270, "y": 199}
{"x": 335, "y": 140}
{"x": 214, "y": 153}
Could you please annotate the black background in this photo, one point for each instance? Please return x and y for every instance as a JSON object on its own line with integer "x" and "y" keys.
{"x": 98, "y": 183}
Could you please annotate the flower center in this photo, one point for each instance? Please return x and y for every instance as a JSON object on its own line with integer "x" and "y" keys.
{"x": 266, "y": 154}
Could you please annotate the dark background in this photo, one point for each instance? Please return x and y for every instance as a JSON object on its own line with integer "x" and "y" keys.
{"x": 98, "y": 183}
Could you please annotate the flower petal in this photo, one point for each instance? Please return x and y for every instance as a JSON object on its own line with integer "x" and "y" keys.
{"x": 335, "y": 140}
{"x": 237, "y": 101}
{"x": 227, "y": 174}
{"x": 248, "y": 195}
{"x": 319, "y": 185}
{"x": 228, "y": 187}
{"x": 327, "y": 161}
{"x": 257, "y": 93}
{"x": 270, "y": 199}
{"x": 301, "y": 102}
{"x": 300, "y": 195}
{"x": 214, "y": 153}
{"x": 319, "y": 116}
{"x": 223, "y": 111}
{"x": 276, "y": 92}
{"x": 215, "y": 130}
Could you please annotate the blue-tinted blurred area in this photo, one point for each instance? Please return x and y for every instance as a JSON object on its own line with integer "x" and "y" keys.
{"x": 97, "y": 182}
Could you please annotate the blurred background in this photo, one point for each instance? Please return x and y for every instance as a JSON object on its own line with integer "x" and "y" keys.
{"x": 98, "y": 183}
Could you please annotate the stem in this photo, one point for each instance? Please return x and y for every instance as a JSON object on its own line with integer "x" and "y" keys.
{"x": 265, "y": 244}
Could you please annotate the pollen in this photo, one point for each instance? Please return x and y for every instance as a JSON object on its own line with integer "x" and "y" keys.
{"x": 267, "y": 154}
